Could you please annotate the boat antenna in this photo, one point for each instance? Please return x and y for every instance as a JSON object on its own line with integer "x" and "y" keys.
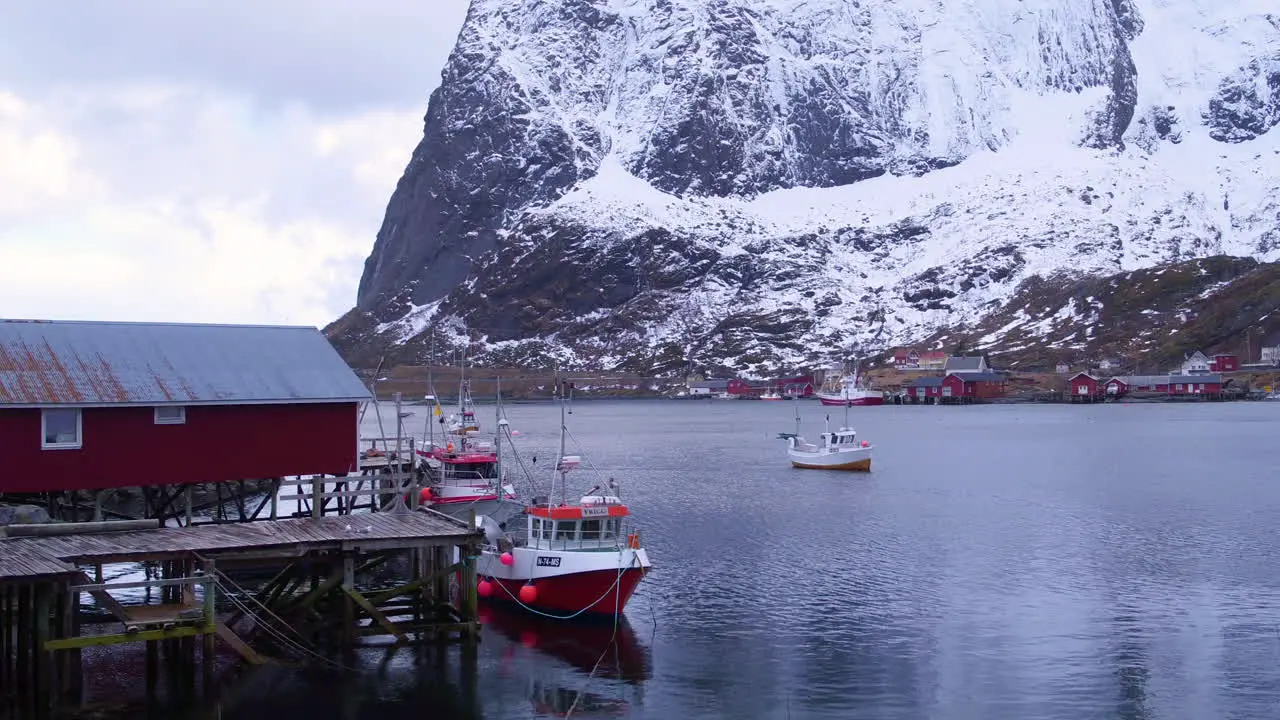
{"x": 847, "y": 400}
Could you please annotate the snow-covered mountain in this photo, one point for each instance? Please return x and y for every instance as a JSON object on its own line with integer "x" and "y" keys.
{"x": 758, "y": 183}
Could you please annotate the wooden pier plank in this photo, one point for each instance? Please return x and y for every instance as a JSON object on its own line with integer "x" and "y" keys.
{"x": 30, "y": 557}
{"x": 24, "y": 563}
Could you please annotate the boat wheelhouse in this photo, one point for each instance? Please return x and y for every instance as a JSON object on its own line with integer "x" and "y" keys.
{"x": 595, "y": 523}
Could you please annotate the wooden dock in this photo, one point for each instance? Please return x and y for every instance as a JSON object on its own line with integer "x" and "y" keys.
{"x": 57, "y": 555}
{"x": 315, "y": 593}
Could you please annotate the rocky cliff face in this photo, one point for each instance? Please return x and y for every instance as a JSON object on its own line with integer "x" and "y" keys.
{"x": 756, "y": 183}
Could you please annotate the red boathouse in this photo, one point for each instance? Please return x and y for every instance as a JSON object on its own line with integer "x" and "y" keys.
{"x": 96, "y": 405}
{"x": 1085, "y": 387}
{"x": 972, "y": 387}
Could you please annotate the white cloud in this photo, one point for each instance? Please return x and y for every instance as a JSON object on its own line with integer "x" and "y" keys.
{"x": 190, "y": 195}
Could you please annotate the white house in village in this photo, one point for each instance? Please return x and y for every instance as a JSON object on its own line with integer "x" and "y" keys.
{"x": 1270, "y": 355}
{"x": 1195, "y": 364}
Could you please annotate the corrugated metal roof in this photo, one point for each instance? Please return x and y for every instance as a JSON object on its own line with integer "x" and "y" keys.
{"x": 118, "y": 363}
{"x": 979, "y": 376}
{"x": 1148, "y": 380}
{"x": 926, "y": 382}
{"x": 964, "y": 362}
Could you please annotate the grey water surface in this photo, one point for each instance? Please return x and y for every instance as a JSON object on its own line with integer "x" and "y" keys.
{"x": 1018, "y": 561}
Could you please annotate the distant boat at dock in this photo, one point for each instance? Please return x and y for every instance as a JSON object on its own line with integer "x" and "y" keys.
{"x": 848, "y": 390}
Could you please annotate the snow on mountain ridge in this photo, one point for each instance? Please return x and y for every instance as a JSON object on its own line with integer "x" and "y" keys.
{"x": 832, "y": 172}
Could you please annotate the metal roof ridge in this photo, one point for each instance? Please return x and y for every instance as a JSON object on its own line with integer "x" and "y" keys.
{"x": 155, "y": 323}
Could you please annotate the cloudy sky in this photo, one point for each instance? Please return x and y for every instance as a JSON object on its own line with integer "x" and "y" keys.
{"x": 202, "y": 161}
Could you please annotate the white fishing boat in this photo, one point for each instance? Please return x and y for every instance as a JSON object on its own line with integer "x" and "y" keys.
{"x": 835, "y": 450}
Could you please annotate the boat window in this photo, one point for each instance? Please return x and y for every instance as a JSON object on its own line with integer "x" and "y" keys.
{"x": 590, "y": 530}
{"x": 567, "y": 530}
{"x": 612, "y": 528}
{"x": 535, "y": 531}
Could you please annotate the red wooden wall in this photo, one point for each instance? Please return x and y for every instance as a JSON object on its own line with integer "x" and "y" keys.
{"x": 123, "y": 447}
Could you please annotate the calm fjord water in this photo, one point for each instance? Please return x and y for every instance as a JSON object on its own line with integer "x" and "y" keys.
{"x": 1113, "y": 561}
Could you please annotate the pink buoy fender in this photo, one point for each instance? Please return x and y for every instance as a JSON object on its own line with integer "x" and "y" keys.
{"x": 528, "y": 594}
{"x": 507, "y": 559}
{"x": 484, "y": 588}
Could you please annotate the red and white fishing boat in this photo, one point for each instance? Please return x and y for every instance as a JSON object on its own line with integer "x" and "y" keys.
{"x": 572, "y": 559}
{"x": 848, "y": 390}
{"x": 463, "y": 471}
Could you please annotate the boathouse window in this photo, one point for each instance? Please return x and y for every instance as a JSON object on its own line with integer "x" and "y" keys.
{"x": 171, "y": 415}
{"x": 60, "y": 429}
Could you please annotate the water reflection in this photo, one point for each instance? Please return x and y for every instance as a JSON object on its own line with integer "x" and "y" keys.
{"x": 607, "y": 666}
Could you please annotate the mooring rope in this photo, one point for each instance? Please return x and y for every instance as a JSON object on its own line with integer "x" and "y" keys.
{"x": 282, "y": 637}
{"x": 230, "y": 593}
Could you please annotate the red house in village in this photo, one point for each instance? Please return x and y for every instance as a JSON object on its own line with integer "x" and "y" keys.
{"x": 799, "y": 386}
{"x": 904, "y": 359}
{"x": 94, "y": 405}
{"x": 956, "y": 388}
{"x": 1224, "y": 363}
{"x": 972, "y": 386}
{"x": 1166, "y": 384}
{"x": 1084, "y": 386}
{"x": 927, "y": 389}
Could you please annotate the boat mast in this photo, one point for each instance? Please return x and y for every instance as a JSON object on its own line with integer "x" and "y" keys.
{"x": 797, "y": 399}
{"x": 497, "y": 439}
{"x": 431, "y": 393}
{"x": 564, "y": 482}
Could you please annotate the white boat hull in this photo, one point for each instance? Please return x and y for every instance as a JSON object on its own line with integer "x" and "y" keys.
{"x": 856, "y": 459}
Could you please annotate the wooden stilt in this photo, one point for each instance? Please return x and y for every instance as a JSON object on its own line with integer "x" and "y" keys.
{"x": 348, "y": 609}
{"x": 207, "y": 651}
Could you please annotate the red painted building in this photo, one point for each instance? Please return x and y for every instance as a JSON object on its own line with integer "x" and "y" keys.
{"x": 924, "y": 388}
{"x": 103, "y": 405}
{"x": 1084, "y": 385}
{"x": 1224, "y": 363}
{"x": 970, "y": 387}
{"x": 1165, "y": 384}
{"x": 800, "y": 386}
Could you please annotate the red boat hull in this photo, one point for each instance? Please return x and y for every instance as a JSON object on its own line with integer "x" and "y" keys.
{"x": 568, "y": 594}
{"x": 855, "y": 402}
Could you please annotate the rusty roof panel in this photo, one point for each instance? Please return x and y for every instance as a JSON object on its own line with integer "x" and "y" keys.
{"x": 111, "y": 363}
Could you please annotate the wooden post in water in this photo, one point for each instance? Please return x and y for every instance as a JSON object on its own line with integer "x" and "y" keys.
{"x": 44, "y": 659}
{"x": 469, "y": 592}
{"x": 348, "y": 609}
{"x": 207, "y": 651}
